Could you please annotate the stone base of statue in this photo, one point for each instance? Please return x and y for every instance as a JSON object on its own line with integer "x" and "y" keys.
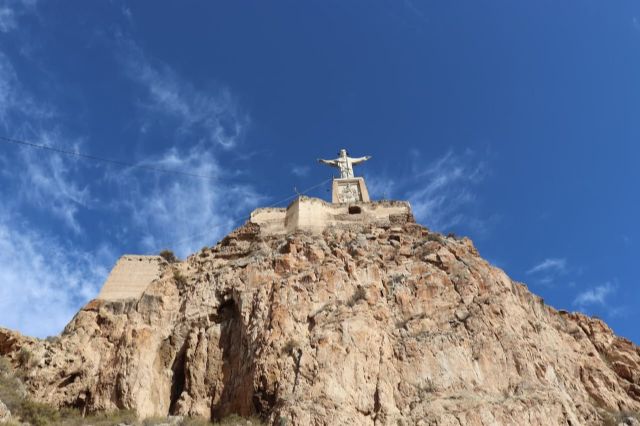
{"x": 349, "y": 190}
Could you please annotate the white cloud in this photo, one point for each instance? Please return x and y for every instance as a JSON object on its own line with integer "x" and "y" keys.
{"x": 442, "y": 192}
{"x": 548, "y": 270}
{"x": 171, "y": 211}
{"x": 45, "y": 180}
{"x": 210, "y": 115}
{"x": 300, "y": 171}
{"x": 10, "y": 10}
{"x": 53, "y": 183}
{"x": 43, "y": 280}
{"x": 594, "y": 296}
{"x": 184, "y": 214}
{"x": 7, "y": 19}
{"x": 553, "y": 265}
{"x": 17, "y": 103}
{"x": 380, "y": 187}
{"x": 447, "y": 190}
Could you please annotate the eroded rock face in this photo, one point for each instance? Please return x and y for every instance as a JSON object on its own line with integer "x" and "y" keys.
{"x": 365, "y": 325}
{"x": 5, "y": 414}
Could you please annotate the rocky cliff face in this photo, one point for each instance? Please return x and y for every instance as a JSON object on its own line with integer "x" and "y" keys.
{"x": 361, "y": 325}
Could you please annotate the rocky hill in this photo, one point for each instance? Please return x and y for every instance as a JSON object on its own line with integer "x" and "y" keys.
{"x": 361, "y": 325}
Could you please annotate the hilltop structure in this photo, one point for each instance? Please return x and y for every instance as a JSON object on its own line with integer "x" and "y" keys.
{"x": 347, "y": 188}
{"x": 333, "y": 314}
{"x": 130, "y": 277}
{"x": 350, "y": 206}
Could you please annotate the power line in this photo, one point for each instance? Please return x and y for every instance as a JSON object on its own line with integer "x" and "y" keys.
{"x": 102, "y": 159}
{"x": 245, "y": 218}
{"x": 153, "y": 169}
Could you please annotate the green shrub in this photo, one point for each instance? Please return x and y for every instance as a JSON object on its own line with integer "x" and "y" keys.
{"x": 234, "y": 420}
{"x": 10, "y": 387}
{"x": 169, "y": 256}
{"x": 52, "y": 339}
{"x": 36, "y": 413}
{"x": 195, "y": 421}
{"x": 25, "y": 356}
{"x": 433, "y": 236}
{"x": 25, "y": 410}
{"x": 5, "y": 367}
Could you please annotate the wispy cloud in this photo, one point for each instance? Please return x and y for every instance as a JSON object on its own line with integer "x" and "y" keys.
{"x": 548, "y": 270}
{"x": 52, "y": 184}
{"x": 555, "y": 265}
{"x": 442, "y": 191}
{"x": 11, "y": 10}
{"x": 177, "y": 213}
{"x": 17, "y": 104}
{"x": 44, "y": 280}
{"x": 381, "y": 187}
{"x": 209, "y": 114}
{"x": 185, "y": 214}
{"x": 444, "y": 188}
{"x": 43, "y": 180}
{"x": 300, "y": 171}
{"x": 594, "y": 296}
{"x": 7, "y": 19}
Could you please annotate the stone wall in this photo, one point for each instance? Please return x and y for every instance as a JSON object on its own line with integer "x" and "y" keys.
{"x": 130, "y": 277}
{"x": 315, "y": 215}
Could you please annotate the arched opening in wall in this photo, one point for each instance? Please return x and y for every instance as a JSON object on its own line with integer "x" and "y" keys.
{"x": 355, "y": 210}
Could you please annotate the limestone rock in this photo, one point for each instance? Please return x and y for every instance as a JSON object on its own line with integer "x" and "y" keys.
{"x": 362, "y": 324}
{"x": 5, "y": 414}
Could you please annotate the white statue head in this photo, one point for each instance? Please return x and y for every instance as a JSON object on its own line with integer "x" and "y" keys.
{"x": 343, "y": 153}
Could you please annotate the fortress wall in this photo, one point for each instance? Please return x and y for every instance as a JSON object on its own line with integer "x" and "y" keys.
{"x": 130, "y": 277}
{"x": 271, "y": 220}
{"x": 308, "y": 214}
{"x": 315, "y": 215}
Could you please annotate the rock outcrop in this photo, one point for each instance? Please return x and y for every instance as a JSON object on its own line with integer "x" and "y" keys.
{"x": 5, "y": 414}
{"x": 359, "y": 325}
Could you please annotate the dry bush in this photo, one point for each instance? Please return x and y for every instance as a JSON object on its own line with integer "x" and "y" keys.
{"x": 168, "y": 256}
{"x": 359, "y": 294}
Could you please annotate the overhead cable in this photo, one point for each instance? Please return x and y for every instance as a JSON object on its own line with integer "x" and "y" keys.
{"x": 102, "y": 159}
{"x": 245, "y": 218}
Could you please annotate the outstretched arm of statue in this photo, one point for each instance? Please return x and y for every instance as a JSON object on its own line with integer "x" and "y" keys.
{"x": 333, "y": 163}
{"x": 360, "y": 159}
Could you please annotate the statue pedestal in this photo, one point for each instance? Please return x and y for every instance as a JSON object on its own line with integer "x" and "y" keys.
{"x": 350, "y": 190}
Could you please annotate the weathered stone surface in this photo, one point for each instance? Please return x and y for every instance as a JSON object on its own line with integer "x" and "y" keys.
{"x": 5, "y": 414}
{"x": 359, "y": 325}
{"x": 130, "y": 276}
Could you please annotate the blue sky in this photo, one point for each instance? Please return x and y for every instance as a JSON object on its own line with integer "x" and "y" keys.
{"x": 513, "y": 123}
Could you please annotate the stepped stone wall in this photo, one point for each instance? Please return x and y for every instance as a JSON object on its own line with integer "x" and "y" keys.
{"x": 130, "y": 276}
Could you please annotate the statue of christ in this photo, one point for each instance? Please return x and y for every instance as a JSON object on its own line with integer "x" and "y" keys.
{"x": 345, "y": 163}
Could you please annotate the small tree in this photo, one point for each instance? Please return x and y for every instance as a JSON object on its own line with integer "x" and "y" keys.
{"x": 168, "y": 256}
